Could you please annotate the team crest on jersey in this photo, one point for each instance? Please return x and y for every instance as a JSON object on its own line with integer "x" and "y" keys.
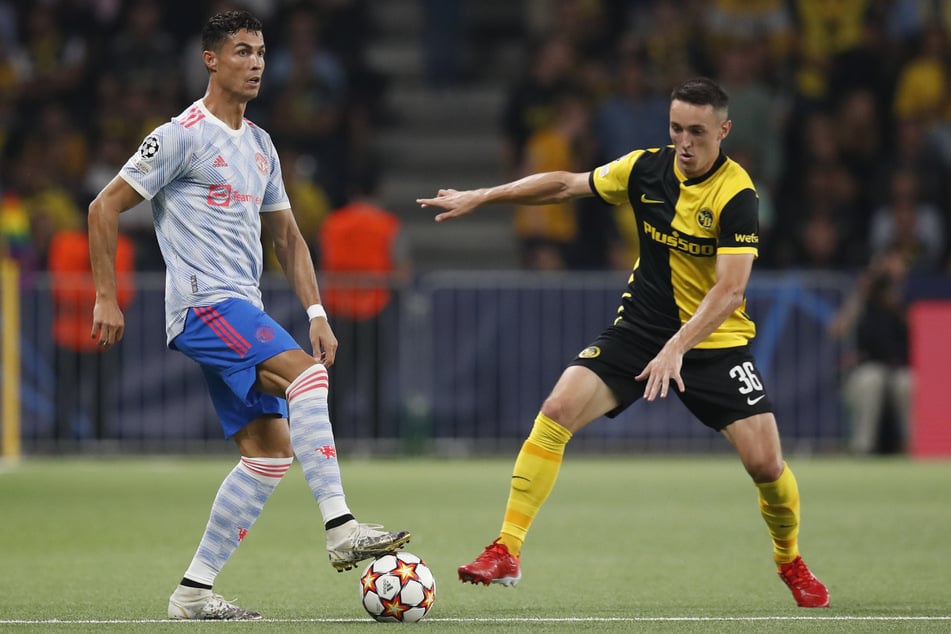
{"x": 590, "y": 352}
{"x": 705, "y": 218}
{"x": 262, "y": 162}
{"x": 149, "y": 147}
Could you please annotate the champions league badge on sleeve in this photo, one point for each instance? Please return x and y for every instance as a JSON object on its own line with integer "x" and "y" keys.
{"x": 147, "y": 151}
{"x": 149, "y": 147}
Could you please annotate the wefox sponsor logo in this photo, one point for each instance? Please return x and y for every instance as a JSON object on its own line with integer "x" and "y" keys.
{"x": 702, "y": 247}
{"x": 224, "y": 195}
{"x": 746, "y": 238}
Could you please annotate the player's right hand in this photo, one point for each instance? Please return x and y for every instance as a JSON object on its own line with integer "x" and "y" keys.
{"x": 455, "y": 203}
{"x": 108, "y": 323}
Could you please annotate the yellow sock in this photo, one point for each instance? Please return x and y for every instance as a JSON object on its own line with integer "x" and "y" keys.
{"x": 533, "y": 478}
{"x": 779, "y": 505}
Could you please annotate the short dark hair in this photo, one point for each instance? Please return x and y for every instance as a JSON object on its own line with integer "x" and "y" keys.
{"x": 222, "y": 25}
{"x": 701, "y": 91}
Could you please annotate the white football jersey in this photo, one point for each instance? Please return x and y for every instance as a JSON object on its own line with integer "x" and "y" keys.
{"x": 208, "y": 185}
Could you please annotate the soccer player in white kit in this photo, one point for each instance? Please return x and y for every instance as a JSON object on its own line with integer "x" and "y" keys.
{"x": 213, "y": 178}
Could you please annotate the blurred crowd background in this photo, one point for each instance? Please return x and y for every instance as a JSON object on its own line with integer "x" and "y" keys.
{"x": 841, "y": 109}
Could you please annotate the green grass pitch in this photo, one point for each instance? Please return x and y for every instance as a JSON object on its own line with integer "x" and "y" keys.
{"x": 635, "y": 543}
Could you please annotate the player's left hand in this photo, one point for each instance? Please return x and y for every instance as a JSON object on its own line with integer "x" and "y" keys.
{"x": 661, "y": 370}
{"x": 323, "y": 341}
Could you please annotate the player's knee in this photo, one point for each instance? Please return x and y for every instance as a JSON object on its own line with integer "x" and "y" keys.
{"x": 560, "y": 410}
{"x": 765, "y": 468}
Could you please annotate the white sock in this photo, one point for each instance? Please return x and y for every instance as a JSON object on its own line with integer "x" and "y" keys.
{"x": 237, "y": 505}
{"x": 312, "y": 438}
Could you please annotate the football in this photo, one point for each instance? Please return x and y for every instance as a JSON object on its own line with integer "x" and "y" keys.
{"x": 397, "y": 588}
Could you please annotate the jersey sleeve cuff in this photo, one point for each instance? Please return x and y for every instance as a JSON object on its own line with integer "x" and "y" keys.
{"x": 134, "y": 184}
{"x": 738, "y": 250}
{"x": 594, "y": 189}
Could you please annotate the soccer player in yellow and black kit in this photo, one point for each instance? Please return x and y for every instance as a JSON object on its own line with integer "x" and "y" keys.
{"x": 681, "y": 320}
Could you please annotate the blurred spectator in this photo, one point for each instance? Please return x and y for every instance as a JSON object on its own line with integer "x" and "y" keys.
{"x": 916, "y": 149}
{"x": 674, "y": 42}
{"x": 308, "y": 99}
{"x": 140, "y": 52}
{"x": 16, "y": 238}
{"x": 530, "y": 103}
{"x": 755, "y": 110}
{"x": 768, "y": 22}
{"x": 858, "y": 87}
{"x": 311, "y": 205}
{"x": 10, "y": 56}
{"x": 906, "y": 224}
{"x": 444, "y": 41}
{"x": 825, "y": 30}
{"x": 821, "y": 243}
{"x": 59, "y": 145}
{"x": 546, "y": 231}
{"x": 635, "y": 115}
{"x": 41, "y": 193}
{"x": 584, "y": 25}
{"x": 816, "y": 194}
{"x": 880, "y": 382}
{"x": 363, "y": 256}
{"x": 52, "y": 61}
{"x": 859, "y": 140}
{"x": 923, "y": 83}
{"x": 85, "y": 374}
{"x": 347, "y": 29}
{"x": 820, "y": 222}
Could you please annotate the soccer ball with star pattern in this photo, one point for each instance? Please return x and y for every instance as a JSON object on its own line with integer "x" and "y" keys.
{"x": 398, "y": 588}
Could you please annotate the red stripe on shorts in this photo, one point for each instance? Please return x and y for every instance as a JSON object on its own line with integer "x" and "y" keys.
{"x": 213, "y": 319}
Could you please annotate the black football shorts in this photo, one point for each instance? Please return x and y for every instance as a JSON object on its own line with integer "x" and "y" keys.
{"x": 722, "y": 385}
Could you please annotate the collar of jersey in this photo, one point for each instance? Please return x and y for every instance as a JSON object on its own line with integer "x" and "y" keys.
{"x": 218, "y": 122}
{"x": 717, "y": 164}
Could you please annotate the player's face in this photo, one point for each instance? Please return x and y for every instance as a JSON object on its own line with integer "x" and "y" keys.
{"x": 239, "y": 64}
{"x": 696, "y": 132}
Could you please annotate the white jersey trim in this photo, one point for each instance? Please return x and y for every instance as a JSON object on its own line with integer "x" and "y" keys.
{"x": 136, "y": 186}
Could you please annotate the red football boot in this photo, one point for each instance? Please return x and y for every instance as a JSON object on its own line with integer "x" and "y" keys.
{"x": 495, "y": 565}
{"x": 808, "y": 591}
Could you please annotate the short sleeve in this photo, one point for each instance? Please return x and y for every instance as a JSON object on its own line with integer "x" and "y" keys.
{"x": 162, "y": 157}
{"x": 611, "y": 181}
{"x": 739, "y": 224}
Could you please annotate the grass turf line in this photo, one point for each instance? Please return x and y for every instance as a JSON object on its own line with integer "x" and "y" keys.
{"x": 622, "y": 538}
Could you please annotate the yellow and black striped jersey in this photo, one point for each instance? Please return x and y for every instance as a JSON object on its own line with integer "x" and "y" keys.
{"x": 683, "y": 224}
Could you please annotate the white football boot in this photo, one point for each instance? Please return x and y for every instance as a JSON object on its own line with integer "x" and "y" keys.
{"x": 351, "y": 543}
{"x": 205, "y": 605}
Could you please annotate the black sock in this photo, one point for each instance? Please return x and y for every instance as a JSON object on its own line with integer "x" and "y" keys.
{"x": 188, "y": 583}
{"x": 338, "y": 521}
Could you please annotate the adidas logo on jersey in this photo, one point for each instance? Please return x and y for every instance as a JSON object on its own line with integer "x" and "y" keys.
{"x": 220, "y": 162}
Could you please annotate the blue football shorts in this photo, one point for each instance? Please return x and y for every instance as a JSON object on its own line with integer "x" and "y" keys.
{"x": 228, "y": 340}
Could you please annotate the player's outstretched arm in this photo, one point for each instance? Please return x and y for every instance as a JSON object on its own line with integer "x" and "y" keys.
{"x": 108, "y": 322}
{"x": 538, "y": 189}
